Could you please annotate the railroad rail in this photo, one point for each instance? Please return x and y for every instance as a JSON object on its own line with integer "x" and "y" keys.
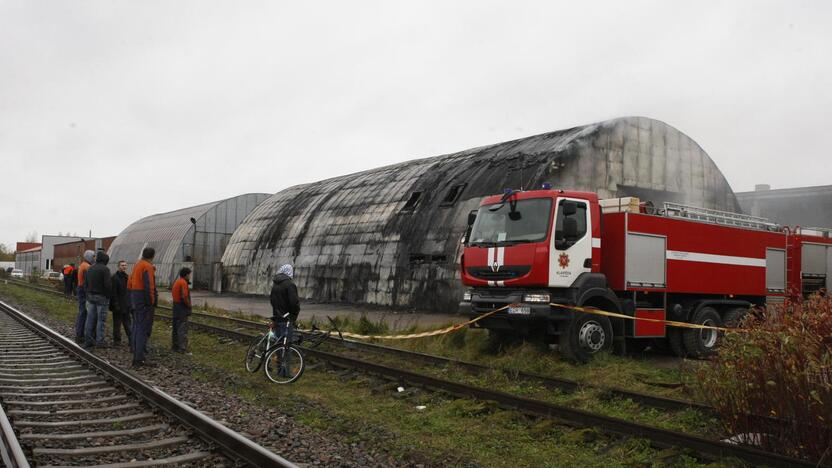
{"x": 659, "y": 437}
{"x": 562, "y": 384}
{"x": 57, "y": 396}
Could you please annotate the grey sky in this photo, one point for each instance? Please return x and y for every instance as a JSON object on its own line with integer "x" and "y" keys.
{"x": 198, "y": 101}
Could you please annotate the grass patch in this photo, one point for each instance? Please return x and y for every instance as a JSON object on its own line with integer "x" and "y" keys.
{"x": 449, "y": 431}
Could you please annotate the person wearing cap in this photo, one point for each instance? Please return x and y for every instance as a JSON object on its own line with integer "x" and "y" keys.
{"x": 141, "y": 288}
{"x": 181, "y": 296}
{"x": 81, "y": 319}
{"x": 284, "y": 299}
{"x": 98, "y": 288}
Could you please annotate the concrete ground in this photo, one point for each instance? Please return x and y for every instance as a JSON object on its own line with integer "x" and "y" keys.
{"x": 259, "y": 305}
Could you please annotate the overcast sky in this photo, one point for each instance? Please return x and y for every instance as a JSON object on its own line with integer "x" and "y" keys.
{"x": 114, "y": 110}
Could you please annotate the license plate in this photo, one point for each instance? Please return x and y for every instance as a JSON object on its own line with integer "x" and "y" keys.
{"x": 520, "y": 310}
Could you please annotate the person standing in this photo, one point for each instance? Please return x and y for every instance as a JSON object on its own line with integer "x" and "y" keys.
{"x": 284, "y": 299}
{"x": 67, "y": 272}
{"x": 141, "y": 288}
{"x": 181, "y": 310}
{"x": 81, "y": 319}
{"x": 120, "y": 305}
{"x": 98, "y": 288}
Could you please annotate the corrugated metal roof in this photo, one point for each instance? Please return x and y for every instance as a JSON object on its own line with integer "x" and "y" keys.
{"x": 352, "y": 240}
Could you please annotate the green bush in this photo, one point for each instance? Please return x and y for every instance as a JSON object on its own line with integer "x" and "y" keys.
{"x": 780, "y": 368}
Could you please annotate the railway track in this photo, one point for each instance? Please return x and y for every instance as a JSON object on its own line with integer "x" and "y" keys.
{"x": 63, "y": 406}
{"x": 706, "y": 448}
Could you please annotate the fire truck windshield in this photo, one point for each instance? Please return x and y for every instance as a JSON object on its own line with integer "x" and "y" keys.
{"x": 516, "y": 221}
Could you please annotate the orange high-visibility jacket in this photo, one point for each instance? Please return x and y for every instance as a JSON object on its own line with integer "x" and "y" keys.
{"x": 143, "y": 280}
{"x": 82, "y": 271}
{"x": 180, "y": 292}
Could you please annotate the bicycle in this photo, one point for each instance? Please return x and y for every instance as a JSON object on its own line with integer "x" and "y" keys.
{"x": 284, "y": 360}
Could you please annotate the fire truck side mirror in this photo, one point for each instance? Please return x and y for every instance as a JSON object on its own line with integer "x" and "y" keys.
{"x": 472, "y": 216}
{"x": 569, "y": 208}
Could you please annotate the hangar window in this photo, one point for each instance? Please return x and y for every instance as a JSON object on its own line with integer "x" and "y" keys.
{"x": 412, "y": 201}
{"x": 453, "y": 195}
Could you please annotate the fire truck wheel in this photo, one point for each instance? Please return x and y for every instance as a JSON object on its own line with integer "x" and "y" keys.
{"x": 733, "y": 317}
{"x": 701, "y": 343}
{"x": 585, "y": 337}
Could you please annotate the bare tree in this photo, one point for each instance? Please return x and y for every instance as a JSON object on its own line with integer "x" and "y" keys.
{"x": 32, "y": 236}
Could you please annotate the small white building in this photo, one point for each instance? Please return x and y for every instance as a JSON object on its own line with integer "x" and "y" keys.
{"x": 40, "y": 258}
{"x": 28, "y": 260}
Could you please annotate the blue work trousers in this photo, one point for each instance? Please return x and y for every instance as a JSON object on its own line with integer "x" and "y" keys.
{"x": 96, "y": 318}
{"x": 81, "y": 319}
{"x": 143, "y": 314}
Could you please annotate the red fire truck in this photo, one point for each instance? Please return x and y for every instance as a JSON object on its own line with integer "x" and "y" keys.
{"x": 527, "y": 249}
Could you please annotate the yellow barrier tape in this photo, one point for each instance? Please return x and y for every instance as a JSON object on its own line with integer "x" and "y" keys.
{"x": 671, "y": 323}
{"x": 442, "y": 331}
{"x": 586, "y": 310}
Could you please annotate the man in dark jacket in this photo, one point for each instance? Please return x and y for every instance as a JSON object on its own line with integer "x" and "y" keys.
{"x": 98, "y": 288}
{"x": 284, "y": 298}
{"x": 120, "y": 305}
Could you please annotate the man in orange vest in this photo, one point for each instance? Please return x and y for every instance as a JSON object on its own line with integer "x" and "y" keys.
{"x": 141, "y": 288}
{"x": 181, "y": 310}
{"x": 67, "y": 272}
{"x": 81, "y": 319}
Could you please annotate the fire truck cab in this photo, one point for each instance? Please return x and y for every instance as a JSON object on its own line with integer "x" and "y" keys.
{"x": 526, "y": 250}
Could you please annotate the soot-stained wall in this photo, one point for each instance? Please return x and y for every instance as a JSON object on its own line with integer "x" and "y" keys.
{"x": 391, "y": 236}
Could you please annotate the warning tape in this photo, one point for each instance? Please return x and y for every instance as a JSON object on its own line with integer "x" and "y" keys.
{"x": 587, "y": 310}
{"x": 442, "y": 331}
{"x": 671, "y": 323}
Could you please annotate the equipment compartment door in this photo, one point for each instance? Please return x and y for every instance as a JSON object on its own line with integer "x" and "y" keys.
{"x": 775, "y": 270}
{"x": 829, "y": 268}
{"x": 646, "y": 261}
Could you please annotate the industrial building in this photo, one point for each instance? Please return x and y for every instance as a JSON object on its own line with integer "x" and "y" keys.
{"x": 391, "y": 236}
{"x": 40, "y": 257}
{"x": 195, "y": 237}
{"x": 800, "y": 206}
{"x": 73, "y": 252}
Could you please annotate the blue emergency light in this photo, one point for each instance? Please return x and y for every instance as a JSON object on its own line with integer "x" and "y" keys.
{"x": 547, "y": 186}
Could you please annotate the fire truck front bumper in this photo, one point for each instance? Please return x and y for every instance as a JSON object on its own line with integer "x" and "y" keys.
{"x": 519, "y": 312}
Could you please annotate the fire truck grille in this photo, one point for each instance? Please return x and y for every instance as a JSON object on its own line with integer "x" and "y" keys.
{"x": 503, "y": 273}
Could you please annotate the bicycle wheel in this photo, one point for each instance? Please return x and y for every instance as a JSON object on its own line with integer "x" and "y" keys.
{"x": 256, "y": 352}
{"x": 284, "y": 364}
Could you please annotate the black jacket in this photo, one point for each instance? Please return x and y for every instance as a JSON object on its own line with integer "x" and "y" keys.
{"x": 284, "y": 298}
{"x": 97, "y": 281}
{"x": 118, "y": 300}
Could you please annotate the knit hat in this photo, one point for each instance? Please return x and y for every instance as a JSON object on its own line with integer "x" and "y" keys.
{"x": 286, "y": 270}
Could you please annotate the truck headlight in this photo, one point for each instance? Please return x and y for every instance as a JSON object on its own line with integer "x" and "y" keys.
{"x": 466, "y": 296}
{"x": 535, "y": 298}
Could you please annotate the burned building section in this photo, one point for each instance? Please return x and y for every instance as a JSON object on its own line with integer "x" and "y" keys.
{"x": 391, "y": 236}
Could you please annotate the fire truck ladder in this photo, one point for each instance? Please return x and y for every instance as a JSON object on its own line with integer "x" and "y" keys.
{"x": 719, "y": 217}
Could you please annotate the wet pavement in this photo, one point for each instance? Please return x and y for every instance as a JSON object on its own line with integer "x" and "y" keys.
{"x": 259, "y": 305}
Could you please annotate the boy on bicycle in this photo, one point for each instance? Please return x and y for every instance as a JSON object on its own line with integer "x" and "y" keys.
{"x": 285, "y": 302}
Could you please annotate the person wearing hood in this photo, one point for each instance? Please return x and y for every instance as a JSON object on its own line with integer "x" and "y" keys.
{"x": 284, "y": 299}
{"x": 98, "y": 287}
{"x": 81, "y": 319}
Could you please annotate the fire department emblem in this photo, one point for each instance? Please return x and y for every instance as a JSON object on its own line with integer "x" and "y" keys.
{"x": 563, "y": 260}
